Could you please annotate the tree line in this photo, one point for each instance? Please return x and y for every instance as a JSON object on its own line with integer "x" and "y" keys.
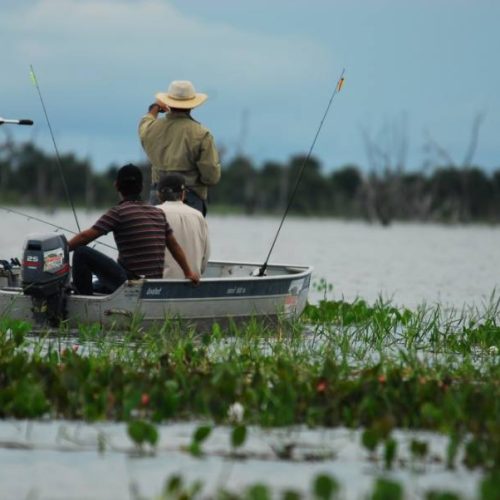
{"x": 446, "y": 193}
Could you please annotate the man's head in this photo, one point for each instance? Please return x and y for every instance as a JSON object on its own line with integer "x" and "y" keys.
{"x": 172, "y": 187}
{"x": 129, "y": 180}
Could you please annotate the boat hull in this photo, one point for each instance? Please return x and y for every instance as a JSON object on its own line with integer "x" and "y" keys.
{"x": 228, "y": 292}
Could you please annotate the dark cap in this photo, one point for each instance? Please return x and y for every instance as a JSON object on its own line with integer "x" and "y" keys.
{"x": 174, "y": 182}
{"x": 129, "y": 174}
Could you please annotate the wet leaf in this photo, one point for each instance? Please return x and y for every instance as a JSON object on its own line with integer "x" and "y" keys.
{"x": 202, "y": 433}
{"x": 238, "y": 436}
{"x": 386, "y": 489}
{"x": 325, "y": 487}
{"x": 258, "y": 492}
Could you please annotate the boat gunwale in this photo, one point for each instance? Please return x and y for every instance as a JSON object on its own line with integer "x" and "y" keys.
{"x": 303, "y": 271}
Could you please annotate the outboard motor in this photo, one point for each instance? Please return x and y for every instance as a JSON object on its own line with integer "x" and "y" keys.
{"x": 45, "y": 274}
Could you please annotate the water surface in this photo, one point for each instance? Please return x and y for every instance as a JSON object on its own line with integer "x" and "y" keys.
{"x": 54, "y": 460}
{"x": 408, "y": 263}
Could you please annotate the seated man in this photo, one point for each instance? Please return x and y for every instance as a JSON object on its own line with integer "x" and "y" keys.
{"x": 189, "y": 225}
{"x": 141, "y": 233}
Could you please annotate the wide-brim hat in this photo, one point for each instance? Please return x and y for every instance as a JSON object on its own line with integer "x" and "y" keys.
{"x": 181, "y": 95}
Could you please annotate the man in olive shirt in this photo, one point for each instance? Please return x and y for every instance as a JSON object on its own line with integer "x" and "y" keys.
{"x": 178, "y": 143}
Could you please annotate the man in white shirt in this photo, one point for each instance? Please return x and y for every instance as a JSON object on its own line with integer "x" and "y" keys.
{"x": 189, "y": 226}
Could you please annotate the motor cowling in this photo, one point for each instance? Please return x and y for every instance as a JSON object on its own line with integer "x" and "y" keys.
{"x": 45, "y": 276}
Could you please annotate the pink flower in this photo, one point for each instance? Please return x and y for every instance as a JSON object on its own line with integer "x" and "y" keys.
{"x": 321, "y": 386}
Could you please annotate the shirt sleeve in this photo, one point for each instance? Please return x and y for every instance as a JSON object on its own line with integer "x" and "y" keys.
{"x": 206, "y": 252}
{"x": 108, "y": 222}
{"x": 208, "y": 163}
{"x": 144, "y": 125}
{"x": 168, "y": 228}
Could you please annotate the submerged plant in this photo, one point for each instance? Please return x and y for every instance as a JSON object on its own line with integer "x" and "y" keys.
{"x": 142, "y": 433}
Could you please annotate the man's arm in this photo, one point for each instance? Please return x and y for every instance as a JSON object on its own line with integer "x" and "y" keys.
{"x": 180, "y": 257}
{"x": 208, "y": 163}
{"x": 84, "y": 238}
{"x": 148, "y": 119}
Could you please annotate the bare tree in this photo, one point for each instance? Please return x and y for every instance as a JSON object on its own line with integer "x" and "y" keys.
{"x": 386, "y": 154}
{"x": 441, "y": 154}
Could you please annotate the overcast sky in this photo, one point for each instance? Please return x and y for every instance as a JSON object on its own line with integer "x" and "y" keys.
{"x": 417, "y": 72}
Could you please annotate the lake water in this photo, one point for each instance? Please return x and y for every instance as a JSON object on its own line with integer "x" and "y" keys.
{"x": 60, "y": 460}
{"x": 407, "y": 263}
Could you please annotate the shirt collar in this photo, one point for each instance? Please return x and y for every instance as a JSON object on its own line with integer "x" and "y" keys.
{"x": 178, "y": 116}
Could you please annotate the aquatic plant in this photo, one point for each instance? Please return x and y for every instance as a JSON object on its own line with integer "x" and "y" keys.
{"x": 376, "y": 366}
{"x": 322, "y": 487}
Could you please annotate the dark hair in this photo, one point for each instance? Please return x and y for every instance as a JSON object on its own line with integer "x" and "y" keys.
{"x": 171, "y": 187}
{"x": 129, "y": 180}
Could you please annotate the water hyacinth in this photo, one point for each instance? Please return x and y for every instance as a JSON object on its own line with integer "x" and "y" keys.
{"x": 374, "y": 367}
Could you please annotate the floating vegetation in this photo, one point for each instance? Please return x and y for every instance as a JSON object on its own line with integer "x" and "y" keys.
{"x": 377, "y": 368}
{"x": 323, "y": 487}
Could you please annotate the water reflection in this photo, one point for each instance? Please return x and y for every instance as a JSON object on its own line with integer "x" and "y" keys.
{"x": 62, "y": 459}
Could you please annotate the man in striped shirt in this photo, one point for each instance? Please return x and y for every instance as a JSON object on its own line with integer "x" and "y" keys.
{"x": 141, "y": 233}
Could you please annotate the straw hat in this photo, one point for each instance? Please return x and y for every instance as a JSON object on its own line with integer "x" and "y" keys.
{"x": 182, "y": 95}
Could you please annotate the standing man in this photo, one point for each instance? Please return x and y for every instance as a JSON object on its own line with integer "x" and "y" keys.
{"x": 141, "y": 233}
{"x": 189, "y": 226}
{"x": 178, "y": 143}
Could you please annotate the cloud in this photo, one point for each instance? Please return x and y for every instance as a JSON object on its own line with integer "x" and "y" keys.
{"x": 100, "y": 62}
{"x": 109, "y": 40}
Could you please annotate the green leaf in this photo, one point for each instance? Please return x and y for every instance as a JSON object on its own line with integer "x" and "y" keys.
{"x": 142, "y": 432}
{"x": 291, "y": 495}
{"x": 195, "y": 449}
{"x": 135, "y": 431}
{"x": 387, "y": 490}
{"x": 490, "y": 486}
{"x": 202, "y": 433}
{"x": 441, "y": 495}
{"x": 419, "y": 449}
{"x": 174, "y": 484}
{"x": 370, "y": 439}
{"x": 238, "y": 436}
{"x": 258, "y": 492}
{"x": 325, "y": 487}
{"x": 390, "y": 452}
{"x": 151, "y": 434}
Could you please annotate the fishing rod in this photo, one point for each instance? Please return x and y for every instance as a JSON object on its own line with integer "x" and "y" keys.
{"x": 337, "y": 89}
{"x": 59, "y": 163}
{"x": 15, "y": 122}
{"x": 37, "y": 219}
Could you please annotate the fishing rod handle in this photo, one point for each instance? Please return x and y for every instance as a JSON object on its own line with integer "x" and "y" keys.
{"x": 16, "y": 122}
